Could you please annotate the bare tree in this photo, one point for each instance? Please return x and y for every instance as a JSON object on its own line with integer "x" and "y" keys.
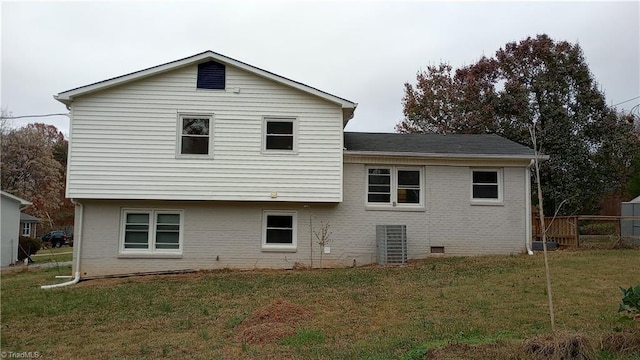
{"x": 532, "y": 132}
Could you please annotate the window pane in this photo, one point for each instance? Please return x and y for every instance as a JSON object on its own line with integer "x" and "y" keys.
{"x": 137, "y": 227}
{"x": 379, "y": 179}
{"x": 167, "y": 240}
{"x": 280, "y": 127}
{"x": 192, "y": 126}
{"x": 380, "y": 189}
{"x": 279, "y": 236}
{"x": 380, "y": 171}
{"x": 485, "y": 177}
{"x": 379, "y": 198}
{"x": 138, "y": 218}
{"x": 195, "y": 145}
{"x": 279, "y": 142}
{"x": 136, "y": 240}
{"x": 485, "y": 191}
{"x": 280, "y": 221}
{"x": 168, "y": 219}
{"x": 409, "y": 196}
{"x": 409, "y": 179}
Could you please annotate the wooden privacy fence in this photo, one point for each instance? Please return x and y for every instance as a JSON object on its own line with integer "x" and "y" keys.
{"x": 565, "y": 229}
{"x": 561, "y": 229}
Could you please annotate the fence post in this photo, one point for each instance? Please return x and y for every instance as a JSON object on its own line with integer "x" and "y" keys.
{"x": 577, "y": 219}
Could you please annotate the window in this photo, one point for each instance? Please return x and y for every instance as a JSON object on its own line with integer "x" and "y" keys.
{"x": 211, "y": 75}
{"x": 279, "y": 135}
{"x": 279, "y": 230}
{"x": 151, "y": 231}
{"x": 486, "y": 185}
{"x": 26, "y": 229}
{"x": 195, "y": 134}
{"x": 394, "y": 186}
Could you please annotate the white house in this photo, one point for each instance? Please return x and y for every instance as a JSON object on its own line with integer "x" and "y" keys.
{"x": 207, "y": 162}
{"x": 10, "y": 207}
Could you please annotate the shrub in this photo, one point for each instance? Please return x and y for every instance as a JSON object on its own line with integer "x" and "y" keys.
{"x": 28, "y": 246}
{"x": 630, "y": 300}
{"x": 599, "y": 229}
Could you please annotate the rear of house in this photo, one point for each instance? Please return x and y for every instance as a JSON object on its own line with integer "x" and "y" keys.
{"x": 208, "y": 162}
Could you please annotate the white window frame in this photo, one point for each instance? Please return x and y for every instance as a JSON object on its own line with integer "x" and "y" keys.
{"x": 294, "y": 121}
{"x": 294, "y": 238}
{"x": 393, "y": 203}
{"x": 500, "y": 185}
{"x": 151, "y": 240}
{"x": 181, "y": 116}
{"x": 26, "y": 226}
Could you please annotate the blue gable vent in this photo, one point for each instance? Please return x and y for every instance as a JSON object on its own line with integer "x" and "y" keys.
{"x": 211, "y": 75}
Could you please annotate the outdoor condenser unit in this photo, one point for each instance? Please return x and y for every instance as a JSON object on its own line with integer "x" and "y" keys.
{"x": 392, "y": 244}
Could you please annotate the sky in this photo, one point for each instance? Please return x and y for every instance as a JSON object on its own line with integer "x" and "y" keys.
{"x": 364, "y": 51}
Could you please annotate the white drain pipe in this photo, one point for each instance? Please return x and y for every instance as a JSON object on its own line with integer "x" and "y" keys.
{"x": 77, "y": 243}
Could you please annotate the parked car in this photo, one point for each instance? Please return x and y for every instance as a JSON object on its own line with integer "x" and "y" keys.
{"x": 57, "y": 238}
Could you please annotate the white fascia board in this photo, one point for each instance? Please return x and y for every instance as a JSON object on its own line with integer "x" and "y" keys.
{"x": 444, "y": 156}
{"x": 66, "y": 97}
{"x": 23, "y": 203}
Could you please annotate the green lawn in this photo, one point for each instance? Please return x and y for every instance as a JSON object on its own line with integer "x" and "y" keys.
{"x": 61, "y": 254}
{"x": 474, "y": 307}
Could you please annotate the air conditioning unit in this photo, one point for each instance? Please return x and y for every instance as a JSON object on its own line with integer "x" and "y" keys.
{"x": 392, "y": 244}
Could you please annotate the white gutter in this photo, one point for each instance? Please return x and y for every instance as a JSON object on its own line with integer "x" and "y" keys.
{"x": 441, "y": 155}
{"x": 77, "y": 243}
{"x": 527, "y": 182}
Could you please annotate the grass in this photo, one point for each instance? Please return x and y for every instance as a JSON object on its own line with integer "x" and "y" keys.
{"x": 61, "y": 254}
{"x": 454, "y": 307}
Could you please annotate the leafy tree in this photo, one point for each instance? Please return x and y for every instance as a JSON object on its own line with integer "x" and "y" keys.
{"x": 30, "y": 169}
{"x": 535, "y": 82}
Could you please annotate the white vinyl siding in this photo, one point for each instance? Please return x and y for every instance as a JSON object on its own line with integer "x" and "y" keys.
{"x": 124, "y": 142}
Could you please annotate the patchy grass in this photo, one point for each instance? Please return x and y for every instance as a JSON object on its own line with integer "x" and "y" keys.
{"x": 454, "y": 307}
{"x": 60, "y": 254}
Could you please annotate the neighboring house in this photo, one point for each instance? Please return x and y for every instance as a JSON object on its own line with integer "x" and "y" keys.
{"x": 28, "y": 225}
{"x": 207, "y": 162}
{"x": 10, "y": 223}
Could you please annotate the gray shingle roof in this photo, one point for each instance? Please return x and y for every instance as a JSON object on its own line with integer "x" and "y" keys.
{"x": 435, "y": 144}
{"x": 28, "y": 218}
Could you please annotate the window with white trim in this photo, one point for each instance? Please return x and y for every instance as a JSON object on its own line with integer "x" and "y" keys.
{"x": 195, "y": 135}
{"x": 151, "y": 231}
{"x": 279, "y": 134}
{"x": 486, "y": 185}
{"x": 26, "y": 229}
{"x": 395, "y": 186}
{"x": 279, "y": 230}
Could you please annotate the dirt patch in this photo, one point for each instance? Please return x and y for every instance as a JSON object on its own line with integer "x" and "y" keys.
{"x": 272, "y": 322}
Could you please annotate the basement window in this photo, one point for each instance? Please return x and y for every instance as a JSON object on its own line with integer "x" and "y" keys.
{"x": 148, "y": 231}
{"x": 279, "y": 230}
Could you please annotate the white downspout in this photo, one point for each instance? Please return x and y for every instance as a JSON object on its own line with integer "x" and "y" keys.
{"x": 527, "y": 182}
{"x": 77, "y": 243}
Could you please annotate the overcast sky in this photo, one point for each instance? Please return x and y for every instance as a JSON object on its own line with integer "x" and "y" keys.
{"x": 361, "y": 51}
